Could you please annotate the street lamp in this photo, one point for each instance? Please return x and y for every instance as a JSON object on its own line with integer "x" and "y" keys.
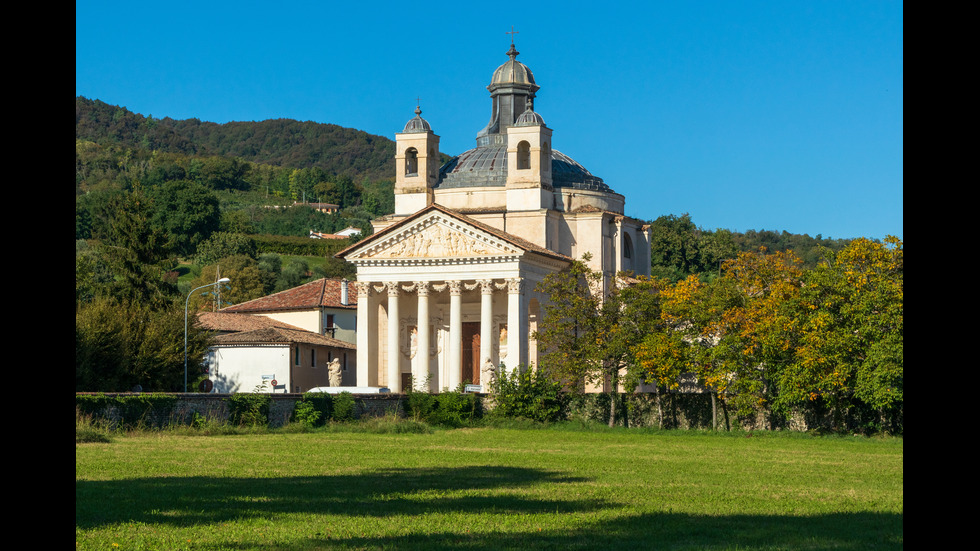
{"x": 186, "y": 302}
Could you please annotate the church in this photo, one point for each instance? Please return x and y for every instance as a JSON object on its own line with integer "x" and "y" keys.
{"x": 447, "y": 285}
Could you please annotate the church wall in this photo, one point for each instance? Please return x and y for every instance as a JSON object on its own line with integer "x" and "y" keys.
{"x": 572, "y": 199}
{"x": 529, "y": 225}
{"x": 471, "y": 198}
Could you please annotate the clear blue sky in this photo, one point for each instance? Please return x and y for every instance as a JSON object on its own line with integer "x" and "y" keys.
{"x": 776, "y": 115}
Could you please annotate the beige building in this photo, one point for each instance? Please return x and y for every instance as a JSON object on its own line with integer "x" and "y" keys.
{"x": 446, "y": 286}
{"x": 260, "y": 352}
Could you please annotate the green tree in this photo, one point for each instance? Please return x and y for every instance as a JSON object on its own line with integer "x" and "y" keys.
{"x": 588, "y": 334}
{"x": 136, "y": 252}
{"x": 247, "y": 283}
{"x": 294, "y": 273}
{"x": 187, "y": 211}
{"x": 223, "y": 244}
{"x": 674, "y": 247}
{"x": 120, "y": 344}
{"x": 850, "y": 330}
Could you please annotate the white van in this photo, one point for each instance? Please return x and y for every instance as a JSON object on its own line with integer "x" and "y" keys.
{"x": 351, "y": 389}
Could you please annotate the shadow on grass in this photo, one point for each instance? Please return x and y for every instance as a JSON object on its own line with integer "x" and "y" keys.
{"x": 667, "y": 531}
{"x": 186, "y": 502}
{"x": 201, "y": 500}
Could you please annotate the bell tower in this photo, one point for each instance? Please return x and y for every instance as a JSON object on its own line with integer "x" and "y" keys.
{"x": 416, "y": 165}
{"x": 529, "y": 163}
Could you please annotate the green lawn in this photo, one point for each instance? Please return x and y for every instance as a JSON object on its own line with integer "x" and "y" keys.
{"x": 489, "y": 489}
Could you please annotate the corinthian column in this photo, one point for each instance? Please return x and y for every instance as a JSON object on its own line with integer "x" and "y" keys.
{"x": 420, "y": 367}
{"x": 455, "y": 335}
{"x": 394, "y": 370}
{"x": 364, "y": 359}
{"x": 516, "y": 324}
{"x": 486, "y": 327}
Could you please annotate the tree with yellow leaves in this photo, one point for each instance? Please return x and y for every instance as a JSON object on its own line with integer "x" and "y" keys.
{"x": 850, "y": 322}
{"x": 731, "y": 333}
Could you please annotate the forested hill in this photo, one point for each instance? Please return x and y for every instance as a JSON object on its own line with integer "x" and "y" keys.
{"x": 279, "y": 142}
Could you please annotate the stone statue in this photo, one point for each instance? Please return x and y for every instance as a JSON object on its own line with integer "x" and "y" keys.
{"x": 335, "y": 372}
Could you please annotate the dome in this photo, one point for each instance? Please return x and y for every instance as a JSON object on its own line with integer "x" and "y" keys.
{"x": 418, "y": 124}
{"x": 529, "y": 118}
{"x": 513, "y": 72}
{"x": 487, "y": 166}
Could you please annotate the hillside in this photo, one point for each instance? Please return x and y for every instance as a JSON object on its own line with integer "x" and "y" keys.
{"x": 286, "y": 143}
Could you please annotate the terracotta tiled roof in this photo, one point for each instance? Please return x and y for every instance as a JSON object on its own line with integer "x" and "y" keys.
{"x": 253, "y": 329}
{"x": 227, "y": 321}
{"x": 280, "y": 335}
{"x": 511, "y": 238}
{"x": 315, "y": 294}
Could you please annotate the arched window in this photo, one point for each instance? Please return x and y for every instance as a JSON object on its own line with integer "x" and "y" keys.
{"x": 523, "y": 155}
{"x": 411, "y": 162}
{"x": 627, "y": 252}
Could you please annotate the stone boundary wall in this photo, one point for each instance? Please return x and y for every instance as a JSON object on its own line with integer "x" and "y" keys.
{"x": 675, "y": 411}
{"x": 214, "y": 407}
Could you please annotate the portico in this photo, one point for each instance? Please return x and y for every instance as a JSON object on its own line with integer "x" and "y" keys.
{"x": 418, "y": 325}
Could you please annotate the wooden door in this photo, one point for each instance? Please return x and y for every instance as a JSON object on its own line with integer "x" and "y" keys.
{"x": 471, "y": 353}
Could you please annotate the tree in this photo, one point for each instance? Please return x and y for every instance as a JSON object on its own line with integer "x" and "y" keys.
{"x": 224, "y": 244}
{"x": 589, "y": 337}
{"x": 136, "y": 252}
{"x": 851, "y": 323}
{"x": 187, "y": 211}
{"x": 734, "y": 333}
{"x": 247, "y": 283}
{"x": 121, "y": 343}
{"x": 679, "y": 248}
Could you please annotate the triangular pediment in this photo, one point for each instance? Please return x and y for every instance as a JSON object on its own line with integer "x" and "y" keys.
{"x": 434, "y": 235}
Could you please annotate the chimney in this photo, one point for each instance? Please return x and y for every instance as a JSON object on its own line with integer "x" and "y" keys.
{"x": 343, "y": 292}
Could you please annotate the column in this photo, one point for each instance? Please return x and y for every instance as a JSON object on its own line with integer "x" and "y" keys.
{"x": 364, "y": 359}
{"x": 455, "y": 374}
{"x": 516, "y": 324}
{"x": 486, "y": 327}
{"x": 394, "y": 370}
{"x": 420, "y": 367}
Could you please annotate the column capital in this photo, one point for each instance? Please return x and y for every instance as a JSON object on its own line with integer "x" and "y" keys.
{"x": 455, "y": 287}
{"x": 363, "y": 288}
{"x": 486, "y": 286}
{"x": 422, "y": 288}
{"x": 515, "y": 285}
{"x": 393, "y": 289}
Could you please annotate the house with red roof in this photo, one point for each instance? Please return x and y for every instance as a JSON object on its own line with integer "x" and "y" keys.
{"x": 326, "y": 307}
{"x": 256, "y": 352}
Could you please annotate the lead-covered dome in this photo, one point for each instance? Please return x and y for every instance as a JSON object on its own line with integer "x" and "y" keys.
{"x": 487, "y": 166}
{"x": 512, "y": 72}
{"x": 418, "y": 124}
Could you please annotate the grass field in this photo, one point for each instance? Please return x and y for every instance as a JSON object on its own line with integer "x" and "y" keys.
{"x": 489, "y": 489}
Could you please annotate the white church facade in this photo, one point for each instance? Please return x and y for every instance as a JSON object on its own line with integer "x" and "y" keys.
{"x": 447, "y": 285}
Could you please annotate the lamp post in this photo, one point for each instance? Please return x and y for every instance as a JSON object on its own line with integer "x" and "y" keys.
{"x": 186, "y": 303}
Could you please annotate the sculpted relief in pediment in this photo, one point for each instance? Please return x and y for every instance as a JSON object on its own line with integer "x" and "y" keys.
{"x": 436, "y": 240}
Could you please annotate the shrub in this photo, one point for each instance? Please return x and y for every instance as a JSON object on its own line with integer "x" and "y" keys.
{"x": 449, "y": 409}
{"x": 526, "y": 393}
{"x": 249, "y": 409}
{"x": 313, "y": 410}
{"x": 344, "y": 407}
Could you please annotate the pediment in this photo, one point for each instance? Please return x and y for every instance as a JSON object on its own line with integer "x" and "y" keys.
{"x": 436, "y": 235}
